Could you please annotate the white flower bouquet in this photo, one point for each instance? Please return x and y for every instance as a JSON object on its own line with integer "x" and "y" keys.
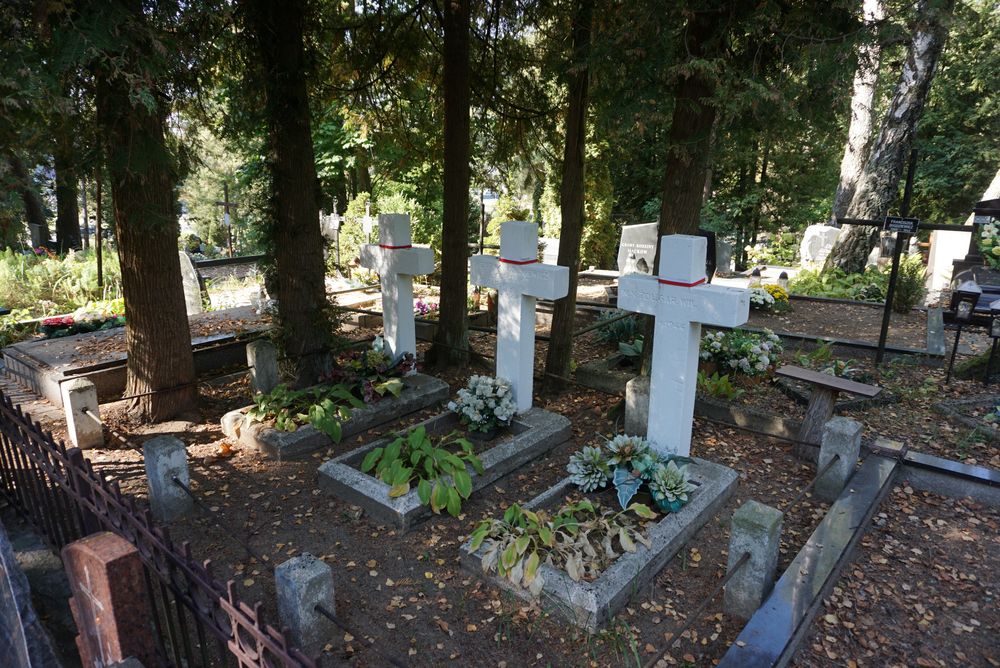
{"x": 485, "y": 404}
{"x": 739, "y": 351}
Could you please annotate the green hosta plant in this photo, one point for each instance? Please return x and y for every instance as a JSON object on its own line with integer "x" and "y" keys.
{"x": 623, "y": 330}
{"x": 581, "y": 538}
{"x": 632, "y": 351}
{"x": 670, "y": 486}
{"x": 440, "y": 471}
{"x": 718, "y": 386}
{"x": 323, "y": 406}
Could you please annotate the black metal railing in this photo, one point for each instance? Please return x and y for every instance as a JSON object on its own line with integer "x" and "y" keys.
{"x": 196, "y": 619}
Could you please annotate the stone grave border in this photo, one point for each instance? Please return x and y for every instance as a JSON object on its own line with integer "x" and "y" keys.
{"x": 952, "y": 411}
{"x": 535, "y": 433}
{"x": 420, "y": 391}
{"x": 592, "y": 604}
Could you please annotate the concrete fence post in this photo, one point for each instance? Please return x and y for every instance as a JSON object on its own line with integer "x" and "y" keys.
{"x": 80, "y": 397}
{"x": 755, "y": 529}
{"x": 301, "y": 584}
{"x": 841, "y": 438}
{"x": 262, "y": 358}
{"x": 166, "y": 458}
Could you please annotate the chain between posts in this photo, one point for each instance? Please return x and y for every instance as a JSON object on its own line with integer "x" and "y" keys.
{"x": 691, "y": 618}
{"x": 367, "y": 643}
{"x": 802, "y": 492}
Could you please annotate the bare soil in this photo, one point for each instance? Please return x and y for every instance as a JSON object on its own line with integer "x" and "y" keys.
{"x": 857, "y": 322}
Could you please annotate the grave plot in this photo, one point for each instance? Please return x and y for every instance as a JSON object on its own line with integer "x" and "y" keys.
{"x": 976, "y": 413}
{"x": 401, "y": 496}
{"x": 688, "y": 492}
{"x": 218, "y": 339}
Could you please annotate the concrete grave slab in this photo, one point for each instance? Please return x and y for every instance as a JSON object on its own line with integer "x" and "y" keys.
{"x": 590, "y": 605}
{"x": 532, "y": 434}
{"x": 218, "y": 340}
{"x": 419, "y": 392}
{"x": 606, "y": 375}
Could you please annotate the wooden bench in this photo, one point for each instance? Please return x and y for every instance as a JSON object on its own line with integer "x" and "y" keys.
{"x": 823, "y": 399}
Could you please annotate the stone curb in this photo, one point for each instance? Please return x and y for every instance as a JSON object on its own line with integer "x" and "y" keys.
{"x": 590, "y": 605}
{"x": 535, "y": 433}
{"x": 420, "y": 391}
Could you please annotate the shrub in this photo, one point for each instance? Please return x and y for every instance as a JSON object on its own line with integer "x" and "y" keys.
{"x": 623, "y": 330}
{"x": 909, "y": 284}
{"x": 837, "y": 284}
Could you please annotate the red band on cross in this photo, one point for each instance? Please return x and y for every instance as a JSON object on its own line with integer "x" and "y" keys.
{"x": 681, "y": 284}
{"x": 388, "y": 247}
{"x": 503, "y": 259}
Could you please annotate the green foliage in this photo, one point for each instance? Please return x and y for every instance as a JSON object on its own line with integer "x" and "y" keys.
{"x": 323, "y": 406}
{"x": 781, "y": 248}
{"x": 821, "y": 355}
{"x": 440, "y": 471}
{"x": 720, "y": 387}
{"x": 909, "y": 283}
{"x": 46, "y": 285}
{"x": 836, "y": 284}
{"x": 623, "y": 330}
{"x": 581, "y": 538}
{"x": 11, "y": 331}
{"x": 504, "y": 210}
{"x": 632, "y": 351}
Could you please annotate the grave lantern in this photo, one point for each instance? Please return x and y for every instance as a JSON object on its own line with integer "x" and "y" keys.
{"x": 783, "y": 281}
{"x": 963, "y": 303}
{"x": 755, "y": 278}
{"x": 995, "y": 335}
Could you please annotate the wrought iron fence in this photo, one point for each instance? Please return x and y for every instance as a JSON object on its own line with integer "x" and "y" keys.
{"x": 197, "y": 620}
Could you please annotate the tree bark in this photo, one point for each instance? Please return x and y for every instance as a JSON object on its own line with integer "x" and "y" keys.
{"x": 571, "y": 200}
{"x": 859, "y": 133}
{"x": 67, "y": 207}
{"x": 452, "y": 339}
{"x": 303, "y": 310}
{"x": 878, "y": 184}
{"x": 38, "y": 226}
{"x": 157, "y": 336}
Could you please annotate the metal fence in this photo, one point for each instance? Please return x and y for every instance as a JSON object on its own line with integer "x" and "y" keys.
{"x": 197, "y": 620}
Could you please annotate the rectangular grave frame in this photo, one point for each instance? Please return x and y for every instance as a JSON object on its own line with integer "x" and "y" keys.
{"x": 590, "y": 605}
{"x": 534, "y": 433}
{"x": 419, "y": 392}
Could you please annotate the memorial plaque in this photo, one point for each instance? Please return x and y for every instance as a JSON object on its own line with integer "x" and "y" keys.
{"x": 901, "y": 225}
{"x": 637, "y": 249}
{"x": 110, "y": 603}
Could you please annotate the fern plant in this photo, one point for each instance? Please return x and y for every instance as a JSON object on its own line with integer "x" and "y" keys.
{"x": 718, "y": 386}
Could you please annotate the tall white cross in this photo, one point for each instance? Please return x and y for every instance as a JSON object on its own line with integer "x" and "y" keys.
{"x": 397, "y": 261}
{"x": 681, "y": 301}
{"x": 519, "y": 279}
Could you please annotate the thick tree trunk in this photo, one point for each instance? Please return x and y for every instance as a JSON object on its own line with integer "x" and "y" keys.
{"x": 878, "y": 184}
{"x": 67, "y": 208}
{"x": 303, "y": 310}
{"x": 157, "y": 336}
{"x": 689, "y": 140}
{"x": 452, "y": 338}
{"x": 859, "y": 133}
{"x": 560, "y": 350}
{"x": 38, "y": 226}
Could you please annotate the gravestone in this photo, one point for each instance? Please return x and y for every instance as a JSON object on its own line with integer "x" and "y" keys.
{"x": 397, "y": 261}
{"x": 681, "y": 301}
{"x": 192, "y": 285}
{"x": 637, "y": 249}
{"x": 550, "y": 250}
{"x": 519, "y": 280}
{"x": 110, "y": 603}
{"x": 723, "y": 256}
{"x": 817, "y": 242}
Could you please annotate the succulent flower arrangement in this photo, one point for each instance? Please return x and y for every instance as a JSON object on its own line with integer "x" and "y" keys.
{"x": 485, "y": 404}
{"x": 740, "y": 351}
{"x": 629, "y": 462}
{"x": 989, "y": 244}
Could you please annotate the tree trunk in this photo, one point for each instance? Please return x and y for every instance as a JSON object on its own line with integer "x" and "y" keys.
{"x": 560, "y": 348}
{"x": 303, "y": 310}
{"x": 859, "y": 133}
{"x": 452, "y": 339}
{"x": 878, "y": 184}
{"x": 157, "y": 336}
{"x": 67, "y": 208}
{"x": 38, "y": 226}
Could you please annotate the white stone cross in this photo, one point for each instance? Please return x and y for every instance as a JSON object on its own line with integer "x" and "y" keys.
{"x": 519, "y": 279}
{"x": 681, "y": 302}
{"x": 397, "y": 261}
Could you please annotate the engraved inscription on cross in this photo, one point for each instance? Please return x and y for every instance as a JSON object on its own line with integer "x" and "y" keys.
{"x": 681, "y": 301}
{"x": 397, "y": 261}
{"x": 519, "y": 280}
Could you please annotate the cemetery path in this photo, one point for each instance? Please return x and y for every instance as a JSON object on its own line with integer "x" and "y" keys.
{"x": 944, "y": 611}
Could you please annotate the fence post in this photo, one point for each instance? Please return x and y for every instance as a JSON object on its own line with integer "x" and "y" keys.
{"x": 302, "y": 583}
{"x": 262, "y": 358}
{"x": 755, "y": 530}
{"x": 165, "y": 458}
{"x": 79, "y": 483}
{"x": 80, "y": 398}
{"x": 841, "y": 438}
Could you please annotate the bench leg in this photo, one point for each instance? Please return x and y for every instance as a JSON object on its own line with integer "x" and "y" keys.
{"x": 822, "y": 401}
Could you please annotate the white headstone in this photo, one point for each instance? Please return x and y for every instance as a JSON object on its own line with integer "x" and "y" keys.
{"x": 519, "y": 280}
{"x": 397, "y": 261}
{"x": 192, "y": 286}
{"x": 817, "y": 242}
{"x": 681, "y": 301}
{"x": 550, "y": 250}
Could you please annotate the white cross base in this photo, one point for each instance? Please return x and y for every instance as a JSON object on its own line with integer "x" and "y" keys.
{"x": 397, "y": 261}
{"x": 681, "y": 301}
{"x": 519, "y": 280}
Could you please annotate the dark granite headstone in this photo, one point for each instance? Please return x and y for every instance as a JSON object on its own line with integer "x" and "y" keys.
{"x": 637, "y": 249}
{"x": 110, "y": 603}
